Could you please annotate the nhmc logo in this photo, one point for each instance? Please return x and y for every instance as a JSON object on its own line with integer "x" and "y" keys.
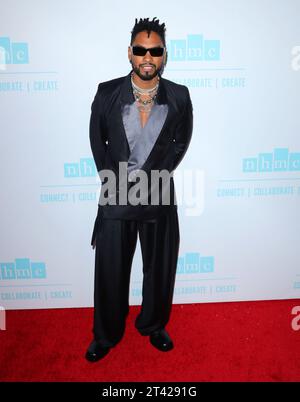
{"x": 280, "y": 160}
{"x": 194, "y": 48}
{"x": 22, "y": 268}
{"x": 84, "y": 168}
{"x": 13, "y": 52}
{"x": 193, "y": 263}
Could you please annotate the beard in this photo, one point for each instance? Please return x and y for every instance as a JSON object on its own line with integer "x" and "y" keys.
{"x": 147, "y": 76}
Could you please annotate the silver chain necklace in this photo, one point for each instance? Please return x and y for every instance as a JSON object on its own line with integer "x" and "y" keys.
{"x": 144, "y": 105}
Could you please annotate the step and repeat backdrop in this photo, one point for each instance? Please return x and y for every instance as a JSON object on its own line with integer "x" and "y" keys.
{"x": 238, "y": 188}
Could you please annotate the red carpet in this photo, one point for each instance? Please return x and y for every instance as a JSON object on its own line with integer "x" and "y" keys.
{"x": 245, "y": 341}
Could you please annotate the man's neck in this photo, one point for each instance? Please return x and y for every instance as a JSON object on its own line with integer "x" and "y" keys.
{"x": 145, "y": 84}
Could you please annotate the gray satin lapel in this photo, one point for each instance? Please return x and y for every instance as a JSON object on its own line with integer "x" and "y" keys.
{"x": 142, "y": 139}
{"x": 131, "y": 124}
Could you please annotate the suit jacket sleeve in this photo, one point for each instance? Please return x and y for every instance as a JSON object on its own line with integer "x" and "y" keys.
{"x": 98, "y": 136}
{"x": 183, "y": 132}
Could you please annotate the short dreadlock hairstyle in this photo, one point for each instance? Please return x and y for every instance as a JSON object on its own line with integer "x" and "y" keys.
{"x": 145, "y": 25}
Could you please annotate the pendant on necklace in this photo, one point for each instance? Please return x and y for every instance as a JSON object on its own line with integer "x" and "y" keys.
{"x": 144, "y": 108}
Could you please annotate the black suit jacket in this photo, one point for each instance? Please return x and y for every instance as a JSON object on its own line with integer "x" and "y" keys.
{"x": 110, "y": 146}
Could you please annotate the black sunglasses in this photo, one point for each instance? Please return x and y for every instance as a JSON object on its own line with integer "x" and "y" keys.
{"x": 141, "y": 51}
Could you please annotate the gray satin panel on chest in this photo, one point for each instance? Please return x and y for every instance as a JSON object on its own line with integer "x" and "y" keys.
{"x": 142, "y": 139}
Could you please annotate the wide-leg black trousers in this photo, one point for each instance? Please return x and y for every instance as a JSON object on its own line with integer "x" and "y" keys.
{"x": 115, "y": 246}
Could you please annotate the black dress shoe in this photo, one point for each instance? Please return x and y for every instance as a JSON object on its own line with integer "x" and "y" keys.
{"x": 96, "y": 351}
{"x": 161, "y": 340}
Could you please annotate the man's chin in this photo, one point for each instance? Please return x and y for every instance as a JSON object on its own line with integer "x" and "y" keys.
{"x": 146, "y": 76}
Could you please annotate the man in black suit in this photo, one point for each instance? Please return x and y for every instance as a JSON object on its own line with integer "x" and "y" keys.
{"x": 144, "y": 123}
